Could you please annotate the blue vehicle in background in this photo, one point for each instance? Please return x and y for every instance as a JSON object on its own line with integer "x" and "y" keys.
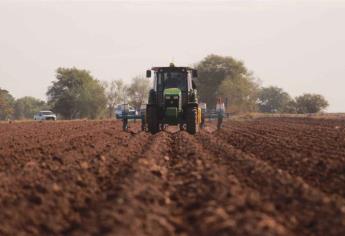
{"x": 125, "y": 113}
{"x": 124, "y": 110}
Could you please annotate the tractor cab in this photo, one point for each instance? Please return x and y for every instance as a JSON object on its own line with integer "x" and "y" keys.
{"x": 173, "y": 98}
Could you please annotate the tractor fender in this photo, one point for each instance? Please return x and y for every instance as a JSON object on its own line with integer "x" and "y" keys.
{"x": 199, "y": 115}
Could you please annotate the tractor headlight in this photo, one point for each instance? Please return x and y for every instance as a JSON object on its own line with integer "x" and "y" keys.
{"x": 175, "y": 97}
{"x": 167, "y": 97}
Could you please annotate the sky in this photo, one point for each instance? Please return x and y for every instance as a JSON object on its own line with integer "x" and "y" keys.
{"x": 296, "y": 45}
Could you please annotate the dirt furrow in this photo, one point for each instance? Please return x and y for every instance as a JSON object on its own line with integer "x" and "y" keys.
{"x": 331, "y": 122}
{"x": 62, "y": 187}
{"x": 137, "y": 201}
{"x": 306, "y": 209}
{"x": 211, "y": 200}
{"x": 320, "y": 137}
{"x": 91, "y": 178}
{"x": 28, "y": 140}
{"x": 320, "y": 166}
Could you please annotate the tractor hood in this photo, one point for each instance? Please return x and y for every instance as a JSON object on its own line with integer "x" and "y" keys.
{"x": 172, "y": 92}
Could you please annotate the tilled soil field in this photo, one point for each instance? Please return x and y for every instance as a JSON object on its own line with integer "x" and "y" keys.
{"x": 267, "y": 176}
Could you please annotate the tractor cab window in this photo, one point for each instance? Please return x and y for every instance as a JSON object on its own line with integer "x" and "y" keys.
{"x": 172, "y": 80}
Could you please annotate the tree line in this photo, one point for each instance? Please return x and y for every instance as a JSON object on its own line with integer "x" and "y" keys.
{"x": 77, "y": 94}
{"x": 229, "y": 79}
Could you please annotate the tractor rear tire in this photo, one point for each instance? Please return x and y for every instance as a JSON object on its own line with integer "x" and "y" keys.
{"x": 192, "y": 120}
{"x": 152, "y": 119}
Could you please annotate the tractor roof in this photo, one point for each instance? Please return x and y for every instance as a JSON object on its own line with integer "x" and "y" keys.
{"x": 171, "y": 68}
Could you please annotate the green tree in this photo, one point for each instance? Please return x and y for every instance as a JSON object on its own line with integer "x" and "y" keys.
{"x": 27, "y": 107}
{"x": 291, "y": 107}
{"x": 76, "y": 94}
{"x": 116, "y": 93}
{"x": 310, "y": 103}
{"x": 240, "y": 92}
{"x": 273, "y": 99}
{"x": 138, "y": 91}
{"x": 213, "y": 70}
{"x": 6, "y": 104}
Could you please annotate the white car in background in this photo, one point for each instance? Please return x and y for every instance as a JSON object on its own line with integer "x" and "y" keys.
{"x": 45, "y": 115}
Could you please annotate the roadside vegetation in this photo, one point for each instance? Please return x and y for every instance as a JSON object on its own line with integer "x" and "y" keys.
{"x": 76, "y": 93}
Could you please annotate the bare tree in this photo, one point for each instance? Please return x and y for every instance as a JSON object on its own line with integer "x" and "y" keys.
{"x": 138, "y": 91}
{"x": 116, "y": 93}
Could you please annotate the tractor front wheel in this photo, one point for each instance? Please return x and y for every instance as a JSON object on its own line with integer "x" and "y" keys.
{"x": 152, "y": 119}
{"x": 192, "y": 120}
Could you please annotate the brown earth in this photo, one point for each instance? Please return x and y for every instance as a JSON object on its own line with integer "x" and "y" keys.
{"x": 267, "y": 176}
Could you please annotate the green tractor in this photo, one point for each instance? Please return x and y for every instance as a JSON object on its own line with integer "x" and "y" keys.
{"x": 173, "y": 99}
